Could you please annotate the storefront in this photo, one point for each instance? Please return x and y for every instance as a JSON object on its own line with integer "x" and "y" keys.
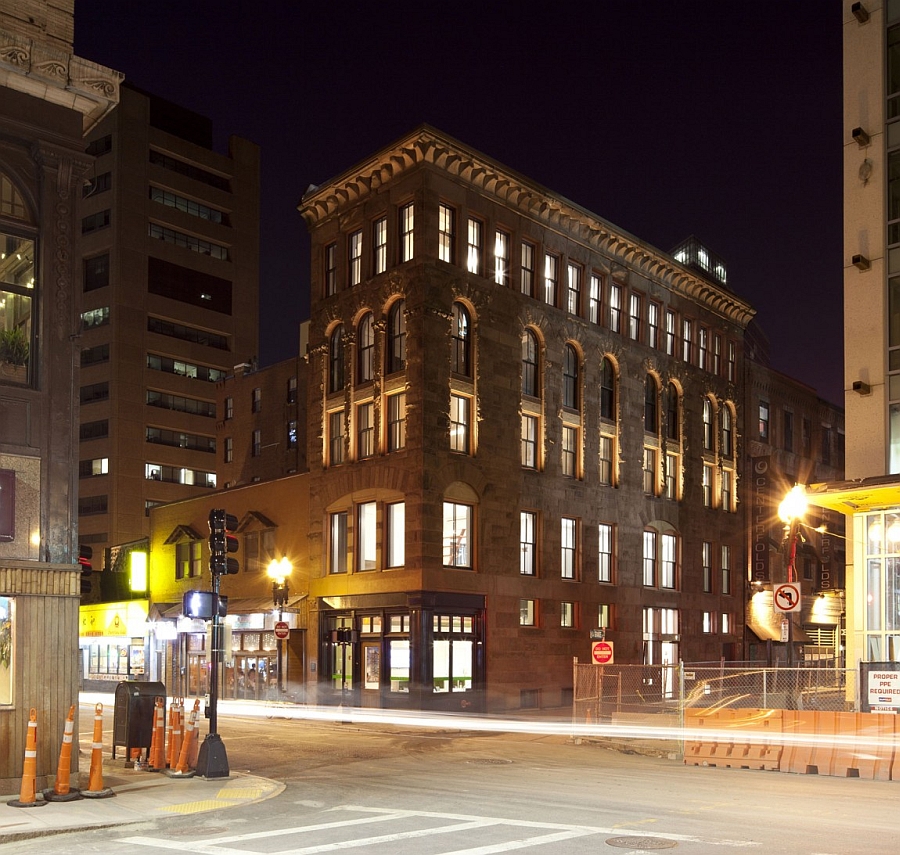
{"x": 113, "y": 643}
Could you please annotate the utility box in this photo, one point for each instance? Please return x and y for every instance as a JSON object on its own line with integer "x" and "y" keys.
{"x": 133, "y": 715}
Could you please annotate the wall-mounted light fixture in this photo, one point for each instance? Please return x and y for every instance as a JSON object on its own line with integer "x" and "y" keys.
{"x": 860, "y": 136}
{"x": 860, "y": 12}
{"x": 861, "y": 387}
{"x": 860, "y": 262}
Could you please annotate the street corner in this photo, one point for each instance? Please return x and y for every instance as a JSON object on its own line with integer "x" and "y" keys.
{"x": 209, "y": 794}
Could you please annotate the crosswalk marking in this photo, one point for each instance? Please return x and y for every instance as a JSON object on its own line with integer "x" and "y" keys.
{"x": 528, "y": 833}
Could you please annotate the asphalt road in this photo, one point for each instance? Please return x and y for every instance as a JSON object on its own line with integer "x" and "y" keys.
{"x": 405, "y": 791}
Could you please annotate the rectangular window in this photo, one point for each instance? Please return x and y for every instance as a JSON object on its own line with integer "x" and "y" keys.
{"x": 330, "y": 269}
{"x": 706, "y": 563}
{"x": 570, "y": 451}
{"x": 95, "y": 318}
{"x": 186, "y": 241}
{"x": 379, "y": 246}
{"x": 291, "y": 433}
{"x": 528, "y": 543}
{"x": 527, "y": 613}
{"x": 501, "y": 258}
{"x": 93, "y": 430}
{"x": 256, "y": 400}
{"x": 229, "y": 408}
{"x": 687, "y": 340}
{"x": 88, "y": 505}
{"x": 605, "y": 553}
{"x": 615, "y": 308}
{"x": 93, "y": 222}
{"x": 567, "y": 615}
{"x": 709, "y": 622}
{"x": 526, "y": 283}
{"x": 551, "y": 278}
{"x": 669, "y": 346}
{"x": 459, "y": 423}
{"x": 446, "y": 233}
{"x": 732, "y": 362}
{"x": 606, "y": 459}
{"x": 669, "y": 564}
{"x": 529, "y": 441}
{"x": 805, "y": 433}
{"x": 396, "y": 421}
{"x": 763, "y": 420}
{"x": 256, "y": 443}
{"x": 573, "y": 291}
{"x": 725, "y": 627}
{"x": 634, "y": 317}
{"x": 649, "y": 559}
{"x": 604, "y": 616}
{"x": 703, "y": 348}
{"x": 727, "y": 491}
{"x": 594, "y": 299}
{"x": 788, "y": 430}
{"x": 94, "y": 392}
{"x": 96, "y": 272}
{"x": 707, "y": 485}
{"x": 188, "y": 206}
{"x": 365, "y": 430}
{"x": 673, "y": 476}
{"x": 228, "y": 455}
{"x": 457, "y": 535}
{"x": 337, "y": 543}
{"x": 396, "y": 534}
{"x": 650, "y": 469}
{"x": 474, "y": 245}
{"x": 95, "y": 355}
{"x": 336, "y": 437}
{"x": 407, "y": 234}
{"x": 355, "y": 250}
{"x": 717, "y": 355}
{"x": 366, "y": 536}
{"x": 292, "y": 390}
{"x": 726, "y": 569}
{"x": 568, "y": 548}
{"x": 653, "y": 324}
{"x": 92, "y": 468}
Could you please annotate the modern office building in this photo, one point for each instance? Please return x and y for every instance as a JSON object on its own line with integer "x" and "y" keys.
{"x": 870, "y": 497}
{"x": 49, "y": 99}
{"x": 170, "y": 253}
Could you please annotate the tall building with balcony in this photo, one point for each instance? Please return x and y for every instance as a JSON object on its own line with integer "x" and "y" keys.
{"x": 170, "y": 257}
{"x": 49, "y": 100}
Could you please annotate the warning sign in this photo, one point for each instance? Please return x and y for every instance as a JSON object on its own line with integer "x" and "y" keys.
{"x": 602, "y": 653}
{"x": 884, "y": 690}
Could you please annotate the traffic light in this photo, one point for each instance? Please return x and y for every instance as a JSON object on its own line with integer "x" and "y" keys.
{"x": 221, "y": 542}
{"x": 85, "y": 554}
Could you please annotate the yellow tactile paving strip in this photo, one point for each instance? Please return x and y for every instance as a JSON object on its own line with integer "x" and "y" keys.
{"x": 226, "y": 797}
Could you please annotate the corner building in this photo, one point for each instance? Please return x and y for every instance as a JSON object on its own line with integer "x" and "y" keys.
{"x": 522, "y": 426}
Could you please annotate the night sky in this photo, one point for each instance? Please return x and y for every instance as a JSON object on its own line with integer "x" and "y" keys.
{"x": 718, "y": 118}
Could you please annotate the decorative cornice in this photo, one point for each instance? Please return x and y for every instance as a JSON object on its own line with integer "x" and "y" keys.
{"x": 426, "y": 145}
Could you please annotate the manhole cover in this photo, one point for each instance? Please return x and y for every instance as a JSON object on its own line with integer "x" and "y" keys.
{"x": 635, "y": 842}
{"x": 489, "y": 761}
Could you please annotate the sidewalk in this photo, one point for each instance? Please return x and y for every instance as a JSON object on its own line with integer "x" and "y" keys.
{"x": 138, "y": 796}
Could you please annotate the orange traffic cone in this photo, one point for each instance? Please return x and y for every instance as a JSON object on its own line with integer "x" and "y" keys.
{"x": 176, "y": 736}
{"x": 158, "y": 740}
{"x": 95, "y": 789}
{"x": 61, "y": 791}
{"x": 184, "y": 768}
{"x": 27, "y": 792}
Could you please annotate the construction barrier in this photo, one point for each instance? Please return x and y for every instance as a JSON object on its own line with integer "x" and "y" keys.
{"x": 62, "y": 791}
{"x": 28, "y": 790}
{"x": 806, "y": 742}
{"x": 95, "y": 789}
{"x": 157, "y": 758}
{"x": 187, "y": 760}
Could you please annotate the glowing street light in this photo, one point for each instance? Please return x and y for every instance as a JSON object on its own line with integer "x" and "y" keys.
{"x": 791, "y": 511}
{"x": 278, "y": 572}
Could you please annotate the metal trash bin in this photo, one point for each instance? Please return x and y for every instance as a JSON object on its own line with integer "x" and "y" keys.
{"x": 133, "y": 715}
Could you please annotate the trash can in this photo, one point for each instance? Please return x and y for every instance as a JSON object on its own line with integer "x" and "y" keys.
{"x": 133, "y": 715}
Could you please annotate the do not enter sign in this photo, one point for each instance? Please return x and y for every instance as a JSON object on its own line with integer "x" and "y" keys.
{"x": 602, "y": 652}
{"x": 282, "y": 630}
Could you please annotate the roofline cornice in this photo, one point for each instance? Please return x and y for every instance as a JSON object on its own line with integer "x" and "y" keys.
{"x": 425, "y": 145}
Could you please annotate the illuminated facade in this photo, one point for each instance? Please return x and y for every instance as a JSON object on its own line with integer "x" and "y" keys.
{"x": 49, "y": 99}
{"x": 170, "y": 259}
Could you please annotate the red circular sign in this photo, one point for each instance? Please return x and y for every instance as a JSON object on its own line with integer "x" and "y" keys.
{"x": 602, "y": 652}
{"x": 282, "y": 630}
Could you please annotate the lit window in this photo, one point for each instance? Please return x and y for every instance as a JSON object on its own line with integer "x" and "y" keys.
{"x": 727, "y": 433}
{"x": 594, "y": 299}
{"x": 474, "y": 246}
{"x": 687, "y": 340}
{"x": 669, "y": 346}
{"x": 709, "y": 622}
{"x": 459, "y": 423}
{"x": 527, "y": 613}
{"x": 732, "y": 362}
{"x": 551, "y": 278}
{"x": 336, "y": 373}
{"x": 650, "y": 466}
{"x": 606, "y": 459}
{"x": 355, "y": 258}
{"x": 501, "y": 258}
{"x": 457, "y": 533}
{"x": 650, "y": 559}
{"x": 366, "y": 536}
{"x": 365, "y": 349}
{"x": 615, "y": 308}
{"x": 527, "y": 543}
{"x": 407, "y": 235}
{"x": 669, "y": 563}
{"x": 529, "y": 441}
{"x": 567, "y": 615}
{"x": 702, "y": 348}
{"x": 460, "y": 355}
{"x": 337, "y": 543}
{"x": 365, "y": 430}
{"x": 379, "y": 246}
{"x": 445, "y": 233}
{"x": 653, "y": 324}
{"x": 706, "y": 564}
{"x": 396, "y": 534}
{"x": 570, "y": 451}
{"x": 605, "y": 553}
{"x": 568, "y": 544}
{"x": 707, "y": 485}
{"x": 527, "y": 270}
{"x": 708, "y": 432}
{"x": 634, "y": 317}
{"x": 573, "y": 292}
{"x": 291, "y": 431}
{"x": 396, "y": 421}
{"x": 336, "y": 437}
{"x": 763, "y": 420}
{"x": 727, "y": 490}
{"x": 330, "y": 269}
{"x": 726, "y": 569}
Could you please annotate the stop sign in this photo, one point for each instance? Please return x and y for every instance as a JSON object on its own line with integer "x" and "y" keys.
{"x": 602, "y": 652}
{"x": 282, "y": 630}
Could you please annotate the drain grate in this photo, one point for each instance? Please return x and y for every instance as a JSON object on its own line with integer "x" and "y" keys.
{"x": 635, "y": 842}
{"x": 489, "y": 761}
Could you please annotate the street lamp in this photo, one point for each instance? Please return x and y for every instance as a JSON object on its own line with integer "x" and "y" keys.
{"x": 791, "y": 512}
{"x": 278, "y": 572}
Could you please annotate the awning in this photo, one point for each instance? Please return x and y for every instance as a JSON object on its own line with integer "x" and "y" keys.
{"x": 158, "y": 610}
{"x": 881, "y": 492}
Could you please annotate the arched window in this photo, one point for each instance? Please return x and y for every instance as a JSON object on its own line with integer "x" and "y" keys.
{"x": 336, "y": 371}
{"x": 673, "y": 412}
{"x": 461, "y": 355}
{"x": 651, "y": 405}
{"x": 727, "y": 432}
{"x": 607, "y": 390}
{"x": 707, "y": 424}
{"x": 397, "y": 337}
{"x": 365, "y": 348}
{"x": 570, "y": 377}
{"x": 530, "y": 375}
